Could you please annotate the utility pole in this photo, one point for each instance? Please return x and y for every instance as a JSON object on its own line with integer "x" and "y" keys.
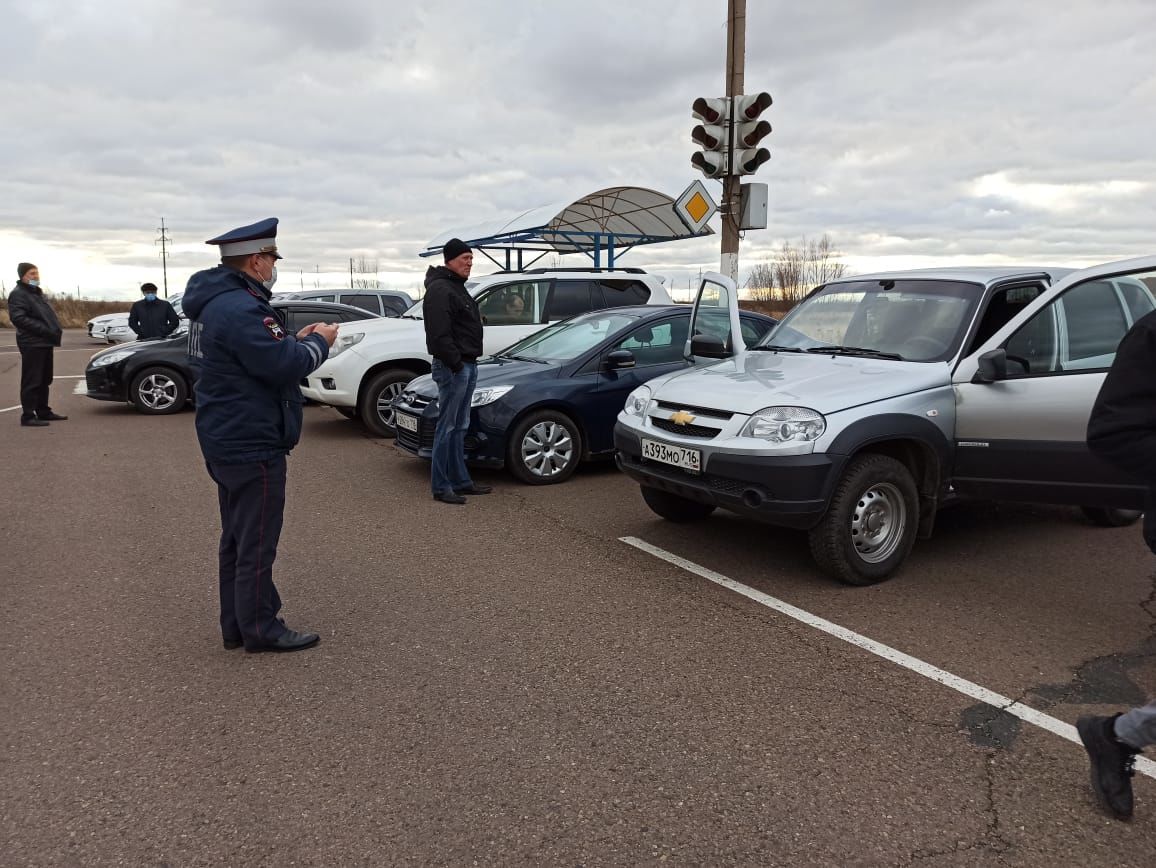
{"x": 164, "y": 241}
{"x": 736, "y": 64}
{"x": 351, "y": 272}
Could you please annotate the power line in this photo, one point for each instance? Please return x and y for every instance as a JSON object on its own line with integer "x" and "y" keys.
{"x": 164, "y": 241}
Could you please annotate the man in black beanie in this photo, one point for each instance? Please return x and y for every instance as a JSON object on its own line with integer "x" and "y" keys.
{"x": 453, "y": 336}
{"x": 38, "y": 332}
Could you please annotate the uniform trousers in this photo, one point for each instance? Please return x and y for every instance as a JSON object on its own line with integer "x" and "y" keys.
{"x": 35, "y": 378}
{"x": 252, "y": 501}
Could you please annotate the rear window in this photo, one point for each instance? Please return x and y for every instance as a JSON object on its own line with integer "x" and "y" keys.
{"x": 622, "y": 293}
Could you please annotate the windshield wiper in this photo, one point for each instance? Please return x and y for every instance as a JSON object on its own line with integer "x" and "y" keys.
{"x": 408, "y": 316}
{"x": 777, "y": 348}
{"x": 837, "y": 350}
{"x": 519, "y": 358}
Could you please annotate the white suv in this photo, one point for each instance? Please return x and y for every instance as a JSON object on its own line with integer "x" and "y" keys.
{"x": 371, "y": 361}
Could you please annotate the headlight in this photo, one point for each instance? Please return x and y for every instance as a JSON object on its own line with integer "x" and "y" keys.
{"x": 344, "y": 342}
{"x": 118, "y": 328}
{"x": 112, "y": 358}
{"x": 488, "y": 395}
{"x": 636, "y": 401}
{"x": 786, "y": 425}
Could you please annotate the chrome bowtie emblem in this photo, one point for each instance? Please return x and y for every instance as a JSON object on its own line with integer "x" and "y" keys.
{"x": 682, "y": 417}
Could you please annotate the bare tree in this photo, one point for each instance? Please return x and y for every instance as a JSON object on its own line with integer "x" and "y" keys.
{"x": 795, "y": 270}
{"x": 365, "y": 271}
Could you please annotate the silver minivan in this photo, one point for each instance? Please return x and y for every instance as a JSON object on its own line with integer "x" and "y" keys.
{"x": 882, "y": 397}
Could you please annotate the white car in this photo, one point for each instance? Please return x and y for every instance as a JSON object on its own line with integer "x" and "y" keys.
{"x": 371, "y": 362}
{"x": 112, "y": 328}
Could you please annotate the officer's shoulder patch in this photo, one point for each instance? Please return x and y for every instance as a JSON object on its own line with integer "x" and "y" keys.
{"x": 274, "y": 328}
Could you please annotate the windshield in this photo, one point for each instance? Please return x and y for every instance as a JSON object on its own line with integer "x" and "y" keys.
{"x": 568, "y": 339}
{"x": 918, "y": 320}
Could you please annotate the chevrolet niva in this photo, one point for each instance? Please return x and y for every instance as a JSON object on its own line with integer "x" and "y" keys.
{"x": 882, "y": 397}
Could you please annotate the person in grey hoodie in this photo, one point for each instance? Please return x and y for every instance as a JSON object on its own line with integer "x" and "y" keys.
{"x": 38, "y": 333}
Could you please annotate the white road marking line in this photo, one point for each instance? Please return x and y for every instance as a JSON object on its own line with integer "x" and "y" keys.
{"x": 15, "y": 351}
{"x": 10, "y": 409}
{"x": 69, "y": 377}
{"x": 962, "y": 685}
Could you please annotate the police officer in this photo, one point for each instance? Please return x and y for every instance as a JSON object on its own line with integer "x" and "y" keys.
{"x": 152, "y": 317}
{"x": 248, "y": 420}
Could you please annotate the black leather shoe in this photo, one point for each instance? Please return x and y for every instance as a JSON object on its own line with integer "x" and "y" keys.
{"x": 290, "y": 640}
{"x": 33, "y": 423}
{"x": 1111, "y": 764}
{"x": 475, "y": 488}
{"x": 449, "y": 497}
{"x": 233, "y": 644}
{"x": 52, "y": 417}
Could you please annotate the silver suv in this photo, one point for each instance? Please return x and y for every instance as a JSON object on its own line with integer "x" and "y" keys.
{"x": 882, "y": 397}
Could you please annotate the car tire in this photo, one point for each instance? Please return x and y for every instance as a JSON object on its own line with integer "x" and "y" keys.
{"x": 158, "y": 391}
{"x": 544, "y": 448}
{"x": 347, "y": 412}
{"x": 1102, "y": 516}
{"x": 870, "y": 524}
{"x": 373, "y": 408}
{"x": 674, "y": 508}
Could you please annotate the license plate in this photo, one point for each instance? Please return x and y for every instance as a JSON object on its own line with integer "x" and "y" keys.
{"x": 677, "y": 456}
{"x": 409, "y": 423}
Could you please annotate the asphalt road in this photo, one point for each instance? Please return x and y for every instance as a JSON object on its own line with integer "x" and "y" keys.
{"x": 508, "y": 683}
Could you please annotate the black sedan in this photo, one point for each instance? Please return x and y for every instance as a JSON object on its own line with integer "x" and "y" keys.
{"x": 154, "y": 375}
{"x": 550, "y": 401}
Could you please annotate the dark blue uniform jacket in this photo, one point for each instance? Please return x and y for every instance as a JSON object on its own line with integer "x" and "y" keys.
{"x": 248, "y": 368}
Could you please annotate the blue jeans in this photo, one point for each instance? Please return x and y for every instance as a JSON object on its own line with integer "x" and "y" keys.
{"x": 455, "y": 391}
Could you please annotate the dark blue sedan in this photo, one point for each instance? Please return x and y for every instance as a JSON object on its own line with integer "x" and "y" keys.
{"x": 549, "y": 401}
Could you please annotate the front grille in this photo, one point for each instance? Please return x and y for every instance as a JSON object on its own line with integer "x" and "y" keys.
{"x": 698, "y": 411}
{"x": 423, "y": 438}
{"x": 727, "y": 486}
{"x": 685, "y": 430}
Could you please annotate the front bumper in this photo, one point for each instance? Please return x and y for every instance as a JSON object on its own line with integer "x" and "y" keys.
{"x": 106, "y": 383}
{"x": 485, "y": 446}
{"x": 789, "y": 490}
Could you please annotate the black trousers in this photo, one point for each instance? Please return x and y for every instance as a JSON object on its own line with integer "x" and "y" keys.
{"x": 252, "y": 501}
{"x": 35, "y": 378}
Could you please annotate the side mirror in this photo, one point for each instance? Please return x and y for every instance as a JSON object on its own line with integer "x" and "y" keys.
{"x": 708, "y": 346}
{"x": 992, "y": 367}
{"x": 619, "y": 359}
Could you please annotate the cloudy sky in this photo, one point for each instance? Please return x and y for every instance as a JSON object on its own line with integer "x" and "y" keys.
{"x": 912, "y": 132}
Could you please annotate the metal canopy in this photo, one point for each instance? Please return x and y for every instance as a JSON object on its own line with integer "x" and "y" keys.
{"x": 613, "y": 221}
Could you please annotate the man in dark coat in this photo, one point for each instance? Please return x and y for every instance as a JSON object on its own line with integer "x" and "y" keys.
{"x": 152, "y": 317}
{"x": 1122, "y": 431}
{"x": 38, "y": 332}
{"x": 248, "y": 420}
{"x": 453, "y": 336}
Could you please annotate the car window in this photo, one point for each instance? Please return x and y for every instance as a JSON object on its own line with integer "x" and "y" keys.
{"x": 713, "y": 315}
{"x": 569, "y": 298}
{"x": 394, "y": 306}
{"x": 1079, "y": 331}
{"x": 1002, "y": 308}
{"x": 513, "y": 303}
{"x": 365, "y": 301}
{"x": 1137, "y": 297}
{"x": 753, "y": 330}
{"x": 297, "y": 319}
{"x": 352, "y": 316}
{"x": 621, "y": 293}
{"x": 567, "y": 340}
{"x": 657, "y": 343}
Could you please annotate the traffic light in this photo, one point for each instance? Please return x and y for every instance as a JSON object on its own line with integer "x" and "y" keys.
{"x": 749, "y": 131}
{"x": 711, "y": 136}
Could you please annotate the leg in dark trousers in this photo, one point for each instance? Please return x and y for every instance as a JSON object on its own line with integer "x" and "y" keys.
{"x": 35, "y": 378}
{"x": 252, "y": 502}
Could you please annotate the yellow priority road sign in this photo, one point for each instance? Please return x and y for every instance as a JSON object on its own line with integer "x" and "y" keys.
{"x": 695, "y": 207}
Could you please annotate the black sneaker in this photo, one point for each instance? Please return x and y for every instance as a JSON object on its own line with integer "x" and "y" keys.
{"x": 449, "y": 497}
{"x": 1112, "y": 763}
{"x": 33, "y": 422}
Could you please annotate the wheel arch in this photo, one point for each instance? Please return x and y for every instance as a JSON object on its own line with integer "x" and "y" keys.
{"x": 417, "y": 366}
{"x": 566, "y": 409}
{"x": 916, "y": 443}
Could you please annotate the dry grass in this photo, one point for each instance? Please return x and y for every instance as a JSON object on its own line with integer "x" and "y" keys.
{"x": 778, "y": 308}
{"x": 73, "y": 313}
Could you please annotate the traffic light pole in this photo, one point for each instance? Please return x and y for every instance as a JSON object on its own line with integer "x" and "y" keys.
{"x": 736, "y": 62}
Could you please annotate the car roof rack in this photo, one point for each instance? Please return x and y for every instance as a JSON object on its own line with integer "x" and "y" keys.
{"x": 582, "y": 270}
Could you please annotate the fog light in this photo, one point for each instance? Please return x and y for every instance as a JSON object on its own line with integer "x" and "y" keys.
{"x": 327, "y": 383}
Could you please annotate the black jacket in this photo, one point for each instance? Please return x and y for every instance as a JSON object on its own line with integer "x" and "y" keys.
{"x": 35, "y": 320}
{"x": 1122, "y": 427}
{"x": 453, "y": 326}
{"x": 153, "y": 319}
